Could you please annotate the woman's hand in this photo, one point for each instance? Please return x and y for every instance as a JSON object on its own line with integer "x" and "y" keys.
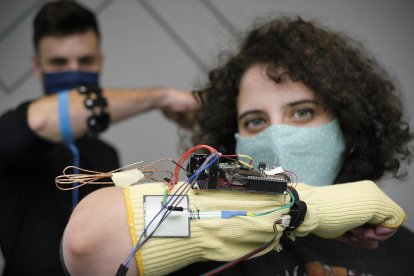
{"x": 367, "y": 237}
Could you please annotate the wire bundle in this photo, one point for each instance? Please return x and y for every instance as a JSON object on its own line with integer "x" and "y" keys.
{"x": 151, "y": 171}
{"x": 174, "y": 200}
{"x": 80, "y": 177}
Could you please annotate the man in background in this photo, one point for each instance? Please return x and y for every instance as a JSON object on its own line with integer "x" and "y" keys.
{"x": 41, "y": 137}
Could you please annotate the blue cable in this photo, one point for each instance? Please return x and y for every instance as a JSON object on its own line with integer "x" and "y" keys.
{"x": 229, "y": 214}
{"x": 67, "y": 137}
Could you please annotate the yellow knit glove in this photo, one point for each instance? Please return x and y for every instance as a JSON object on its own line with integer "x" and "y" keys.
{"x": 332, "y": 210}
{"x": 211, "y": 238}
{"x": 335, "y": 209}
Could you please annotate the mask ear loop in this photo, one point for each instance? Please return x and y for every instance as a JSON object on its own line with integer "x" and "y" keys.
{"x": 67, "y": 137}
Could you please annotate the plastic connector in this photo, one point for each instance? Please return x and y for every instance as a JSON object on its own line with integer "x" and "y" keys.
{"x": 285, "y": 221}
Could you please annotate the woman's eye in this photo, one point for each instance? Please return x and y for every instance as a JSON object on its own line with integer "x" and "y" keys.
{"x": 303, "y": 114}
{"x": 255, "y": 124}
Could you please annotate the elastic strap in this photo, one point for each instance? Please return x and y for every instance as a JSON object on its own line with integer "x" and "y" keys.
{"x": 64, "y": 119}
{"x": 67, "y": 137}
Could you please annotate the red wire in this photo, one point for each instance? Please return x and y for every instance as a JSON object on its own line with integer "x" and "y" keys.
{"x": 184, "y": 157}
{"x": 229, "y": 155}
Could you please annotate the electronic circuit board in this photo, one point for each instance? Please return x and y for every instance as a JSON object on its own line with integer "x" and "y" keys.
{"x": 228, "y": 174}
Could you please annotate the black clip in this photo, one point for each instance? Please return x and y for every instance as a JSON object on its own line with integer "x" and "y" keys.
{"x": 297, "y": 211}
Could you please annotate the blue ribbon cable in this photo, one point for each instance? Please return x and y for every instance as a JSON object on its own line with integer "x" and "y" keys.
{"x": 66, "y": 132}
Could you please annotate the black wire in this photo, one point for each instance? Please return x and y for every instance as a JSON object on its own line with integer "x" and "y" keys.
{"x": 179, "y": 165}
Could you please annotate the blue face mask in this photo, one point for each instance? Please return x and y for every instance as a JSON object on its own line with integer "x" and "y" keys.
{"x": 314, "y": 154}
{"x": 59, "y": 81}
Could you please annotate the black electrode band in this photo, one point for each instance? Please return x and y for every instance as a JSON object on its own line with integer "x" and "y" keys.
{"x": 297, "y": 211}
{"x": 96, "y": 102}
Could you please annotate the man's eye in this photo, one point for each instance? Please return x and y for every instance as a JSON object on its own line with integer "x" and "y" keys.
{"x": 58, "y": 61}
{"x": 87, "y": 60}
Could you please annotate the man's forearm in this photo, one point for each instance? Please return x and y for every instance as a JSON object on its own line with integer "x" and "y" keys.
{"x": 43, "y": 114}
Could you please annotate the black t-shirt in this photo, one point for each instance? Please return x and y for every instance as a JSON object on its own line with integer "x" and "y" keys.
{"x": 33, "y": 211}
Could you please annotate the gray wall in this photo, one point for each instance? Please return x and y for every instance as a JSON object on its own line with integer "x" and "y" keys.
{"x": 173, "y": 43}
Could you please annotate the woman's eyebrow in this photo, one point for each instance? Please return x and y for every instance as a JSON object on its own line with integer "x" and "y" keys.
{"x": 303, "y": 102}
{"x": 249, "y": 112}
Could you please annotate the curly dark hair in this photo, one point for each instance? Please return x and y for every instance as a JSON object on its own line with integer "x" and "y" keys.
{"x": 348, "y": 81}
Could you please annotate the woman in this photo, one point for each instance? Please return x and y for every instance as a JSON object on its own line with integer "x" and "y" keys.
{"x": 300, "y": 96}
{"x": 295, "y": 93}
